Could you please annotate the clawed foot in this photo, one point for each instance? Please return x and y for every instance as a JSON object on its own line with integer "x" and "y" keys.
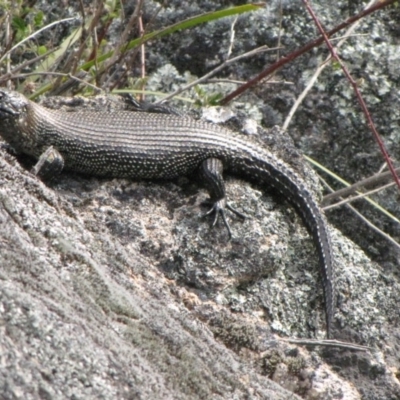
{"x": 218, "y": 209}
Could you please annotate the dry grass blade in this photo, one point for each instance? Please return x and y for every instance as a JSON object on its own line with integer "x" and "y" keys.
{"x": 359, "y": 196}
{"x": 217, "y": 69}
{"x": 367, "y": 221}
{"x": 364, "y": 183}
{"x": 290, "y": 57}
{"x": 319, "y": 70}
{"x": 357, "y": 92}
{"x": 328, "y": 343}
{"x": 34, "y": 34}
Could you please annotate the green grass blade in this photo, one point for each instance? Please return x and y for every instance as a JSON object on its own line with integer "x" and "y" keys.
{"x": 188, "y": 23}
{"x": 345, "y": 183}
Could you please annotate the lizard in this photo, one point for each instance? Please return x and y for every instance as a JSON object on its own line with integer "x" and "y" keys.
{"x": 138, "y": 145}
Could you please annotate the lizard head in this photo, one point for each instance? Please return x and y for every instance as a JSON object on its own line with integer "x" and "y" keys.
{"x": 15, "y": 119}
{"x": 11, "y": 104}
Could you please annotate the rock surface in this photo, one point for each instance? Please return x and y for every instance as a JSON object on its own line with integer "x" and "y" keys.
{"x": 86, "y": 311}
{"x": 119, "y": 289}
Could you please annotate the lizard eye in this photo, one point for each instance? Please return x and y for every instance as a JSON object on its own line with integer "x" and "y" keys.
{"x": 7, "y": 107}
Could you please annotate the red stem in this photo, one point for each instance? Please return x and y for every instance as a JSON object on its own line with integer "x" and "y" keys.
{"x": 357, "y": 91}
{"x": 284, "y": 60}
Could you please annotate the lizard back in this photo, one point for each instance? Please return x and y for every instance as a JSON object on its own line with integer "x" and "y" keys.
{"x": 150, "y": 145}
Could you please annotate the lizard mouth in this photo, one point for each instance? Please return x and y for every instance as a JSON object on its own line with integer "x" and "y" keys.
{"x": 7, "y": 111}
{"x": 7, "y": 108}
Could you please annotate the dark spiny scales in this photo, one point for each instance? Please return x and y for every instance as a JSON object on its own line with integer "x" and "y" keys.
{"x": 153, "y": 145}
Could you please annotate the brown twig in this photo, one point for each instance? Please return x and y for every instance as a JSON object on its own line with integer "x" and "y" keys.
{"x": 142, "y": 97}
{"x": 100, "y": 36}
{"x": 132, "y": 57}
{"x": 33, "y": 35}
{"x": 359, "y": 196}
{"x": 357, "y": 92}
{"x": 290, "y": 57}
{"x": 61, "y": 75}
{"x": 328, "y": 343}
{"x": 118, "y": 56}
{"x": 318, "y": 71}
{"x": 237, "y": 82}
{"x": 364, "y": 183}
{"x": 9, "y": 75}
{"x": 215, "y": 70}
{"x": 8, "y": 57}
{"x": 365, "y": 220}
{"x": 76, "y": 57}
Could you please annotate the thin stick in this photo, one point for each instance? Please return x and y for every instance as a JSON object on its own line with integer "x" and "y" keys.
{"x": 8, "y": 58}
{"x": 35, "y": 34}
{"x": 318, "y": 72}
{"x": 215, "y": 70}
{"x": 232, "y": 38}
{"x": 328, "y": 343}
{"x": 349, "y": 190}
{"x": 57, "y": 74}
{"x": 356, "y": 91}
{"x": 290, "y": 57}
{"x": 222, "y": 80}
{"x": 117, "y": 55}
{"x": 359, "y": 196}
{"x": 142, "y": 59}
{"x": 369, "y": 223}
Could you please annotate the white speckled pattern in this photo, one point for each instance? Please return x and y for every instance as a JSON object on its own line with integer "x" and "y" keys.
{"x": 149, "y": 145}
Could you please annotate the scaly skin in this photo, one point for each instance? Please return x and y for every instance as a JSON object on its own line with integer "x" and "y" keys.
{"x": 152, "y": 146}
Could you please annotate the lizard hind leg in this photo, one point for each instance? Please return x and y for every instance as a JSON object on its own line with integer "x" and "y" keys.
{"x": 210, "y": 173}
